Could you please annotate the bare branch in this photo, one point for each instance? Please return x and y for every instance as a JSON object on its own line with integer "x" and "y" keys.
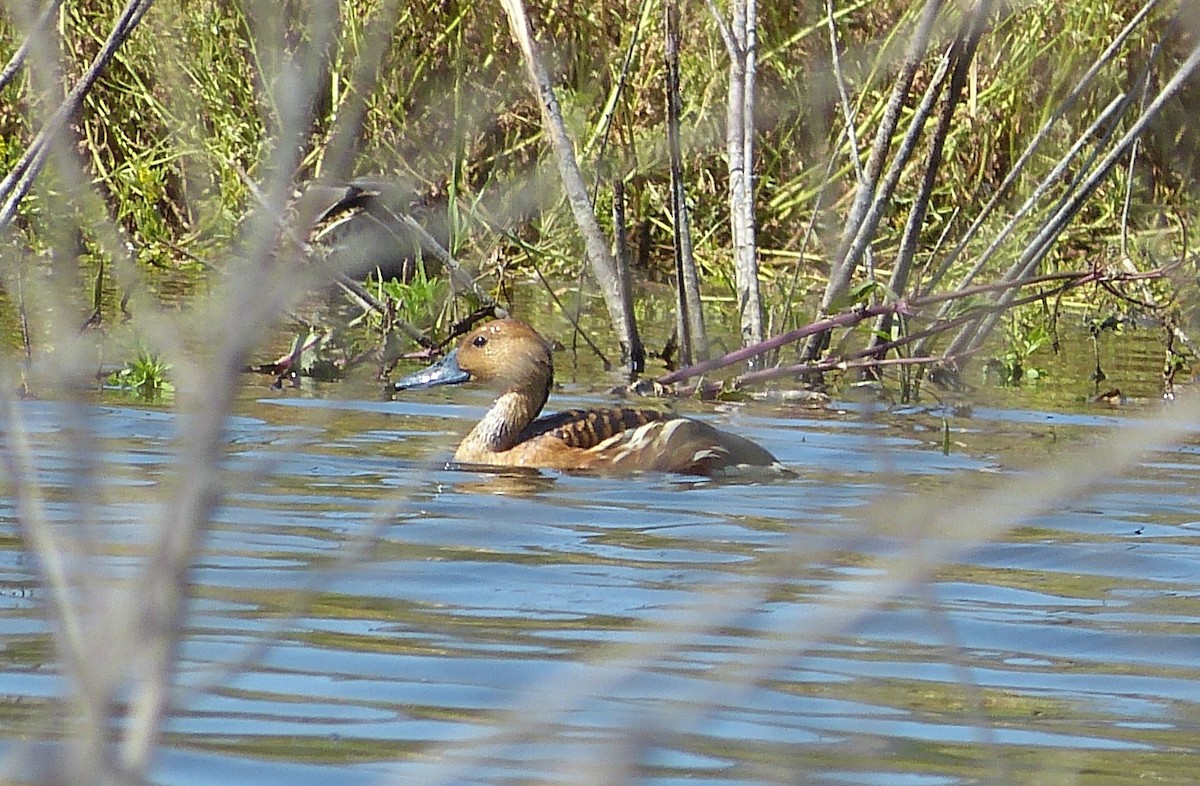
{"x": 616, "y": 296}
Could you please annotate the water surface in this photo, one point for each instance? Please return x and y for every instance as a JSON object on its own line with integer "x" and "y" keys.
{"x": 427, "y": 624}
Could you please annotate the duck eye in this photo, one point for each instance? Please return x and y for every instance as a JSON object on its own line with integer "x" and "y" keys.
{"x": 480, "y": 341}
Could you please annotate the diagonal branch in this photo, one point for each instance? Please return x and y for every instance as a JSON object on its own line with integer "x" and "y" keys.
{"x": 19, "y": 180}
{"x": 613, "y": 285}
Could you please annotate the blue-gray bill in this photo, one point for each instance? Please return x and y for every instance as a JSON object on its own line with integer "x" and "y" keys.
{"x": 443, "y": 372}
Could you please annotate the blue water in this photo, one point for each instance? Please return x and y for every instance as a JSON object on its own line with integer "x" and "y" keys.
{"x": 365, "y": 613}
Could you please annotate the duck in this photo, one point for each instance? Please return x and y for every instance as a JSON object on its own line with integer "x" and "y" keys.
{"x": 511, "y": 357}
{"x": 366, "y": 226}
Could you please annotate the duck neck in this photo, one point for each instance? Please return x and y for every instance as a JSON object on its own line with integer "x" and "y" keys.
{"x": 500, "y": 429}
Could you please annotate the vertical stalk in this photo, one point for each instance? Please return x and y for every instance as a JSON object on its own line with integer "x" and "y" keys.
{"x": 620, "y": 246}
{"x": 253, "y": 296}
{"x": 693, "y": 339}
{"x": 739, "y": 142}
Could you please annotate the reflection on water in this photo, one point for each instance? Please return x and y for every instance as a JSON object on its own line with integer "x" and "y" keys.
{"x": 505, "y": 627}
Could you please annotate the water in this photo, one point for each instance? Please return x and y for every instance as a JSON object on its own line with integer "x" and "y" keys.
{"x": 428, "y": 625}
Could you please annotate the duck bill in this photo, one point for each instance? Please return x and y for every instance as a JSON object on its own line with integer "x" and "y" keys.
{"x": 444, "y": 372}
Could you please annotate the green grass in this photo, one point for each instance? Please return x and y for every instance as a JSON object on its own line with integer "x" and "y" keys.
{"x": 418, "y": 301}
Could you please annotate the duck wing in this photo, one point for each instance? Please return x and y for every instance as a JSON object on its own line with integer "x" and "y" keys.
{"x": 631, "y": 440}
{"x": 685, "y": 446}
{"x": 585, "y": 429}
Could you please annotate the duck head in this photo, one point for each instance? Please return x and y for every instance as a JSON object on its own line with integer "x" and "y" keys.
{"x": 506, "y": 354}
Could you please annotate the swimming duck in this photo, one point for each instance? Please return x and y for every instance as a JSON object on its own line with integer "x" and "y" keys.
{"x": 510, "y": 356}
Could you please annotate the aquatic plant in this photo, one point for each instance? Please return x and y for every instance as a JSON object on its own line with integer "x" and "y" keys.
{"x": 417, "y": 300}
{"x": 146, "y": 376}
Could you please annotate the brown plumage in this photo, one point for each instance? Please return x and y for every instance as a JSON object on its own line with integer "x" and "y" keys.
{"x": 510, "y": 356}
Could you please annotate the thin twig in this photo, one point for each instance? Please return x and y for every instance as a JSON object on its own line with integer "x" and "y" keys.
{"x": 251, "y": 299}
{"x": 39, "y": 27}
{"x": 855, "y": 316}
{"x": 835, "y": 57}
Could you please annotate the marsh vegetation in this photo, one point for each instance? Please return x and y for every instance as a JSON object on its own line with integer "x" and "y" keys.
{"x": 934, "y": 166}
